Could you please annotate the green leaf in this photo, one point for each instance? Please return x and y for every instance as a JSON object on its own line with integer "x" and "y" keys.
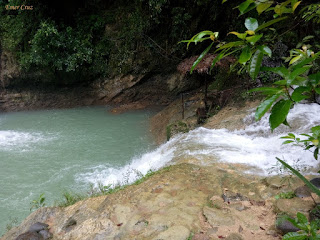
{"x": 282, "y": 71}
{"x": 245, "y": 55}
{"x": 298, "y": 93}
{"x": 295, "y": 6}
{"x": 230, "y": 45}
{"x": 255, "y": 64}
{"x": 287, "y": 141}
{"x": 302, "y": 63}
{"x": 314, "y": 78}
{"x": 312, "y": 187}
{"x": 295, "y": 59}
{"x": 279, "y": 113}
{"x": 200, "y": 57}
{"x": 266, "y": 50}
{"x": 296, "y": 73}
{"x": 199, "y": 37}
{"x": 254, "y": 39}
{"x": 263, "y": 6}
{"x": 251, "y": 24}
{"x": 315, "y": 153}
{"x": 239, "y": 35}
{"x": 243, "y": 6}
{"x": 269, "y": 23}
{"x": 280, "y": 82}
{"x": 302, "y": 218}
{"x": 265, "y": 106}
{"x": 316, "y": 130}
{"x": 267, "y": 90}
{"x": 317, "y": 90}
{"x": 295, "y": 236}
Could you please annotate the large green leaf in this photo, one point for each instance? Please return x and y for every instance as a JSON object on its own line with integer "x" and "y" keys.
{"x": 314, "y": 78}
{"x": 251, "y": 24}
{"x": 267, "y": 90}
{"x": 279, "y": 113}
{"x": 244, "y": 6}
{"x": 200, "y": 57}
{"x": 296, "y": 73}
{"x": 316, "y": 130}
{"x": 245, "y": 55}
{"x": 312, "y": 187}
{"x": 255, "y": 64}
{"x": 265, "y": 106}
{"x": 282, "y": 71}
{"x": 263, "y": 6}
{"x": 300, "y": 93}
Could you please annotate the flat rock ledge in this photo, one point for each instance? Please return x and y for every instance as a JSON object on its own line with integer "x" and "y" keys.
{"x": 183, "y": 201}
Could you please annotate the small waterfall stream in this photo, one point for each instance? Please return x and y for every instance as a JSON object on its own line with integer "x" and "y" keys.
{"x": 255, "y": 146}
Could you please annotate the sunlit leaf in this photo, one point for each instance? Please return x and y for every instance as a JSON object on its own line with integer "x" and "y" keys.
{"x": 254, "y": 39}
{"x": 250, "y": 32}
{"x": 251, "y": 24}
{"x": 295, "y": 6}
{"x": 244, "y": 6}
{"x": 239, "y": 35}
{"x": 296, "y": 58}
{"x": 263, "y": 6}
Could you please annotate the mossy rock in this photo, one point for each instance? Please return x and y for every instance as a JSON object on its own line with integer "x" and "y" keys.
{"x": 177, "y": 127}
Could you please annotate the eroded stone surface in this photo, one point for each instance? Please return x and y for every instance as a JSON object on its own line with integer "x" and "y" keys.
{"x": 189, "y": 202}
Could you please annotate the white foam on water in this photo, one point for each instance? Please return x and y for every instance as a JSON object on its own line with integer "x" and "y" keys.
{"x": 22, "y": 141}
{"x": 255, "y": 145}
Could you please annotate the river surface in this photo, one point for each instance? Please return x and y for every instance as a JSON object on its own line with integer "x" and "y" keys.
{"x": 55, "y": 151}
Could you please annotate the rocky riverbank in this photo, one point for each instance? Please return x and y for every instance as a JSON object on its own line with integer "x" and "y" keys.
{"x": 184, "y": 201}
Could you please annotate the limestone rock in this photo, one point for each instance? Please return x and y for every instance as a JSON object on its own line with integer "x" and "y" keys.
{"x": 294, "y": 205}
{"x": 218, "y": 217}
{"x": 174, "y": 233}
{"x": 234, "y": 236}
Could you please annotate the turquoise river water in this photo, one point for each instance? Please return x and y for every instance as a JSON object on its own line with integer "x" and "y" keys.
{"x": 54, "y": 151}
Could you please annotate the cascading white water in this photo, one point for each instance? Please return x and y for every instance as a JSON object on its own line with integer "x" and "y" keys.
{"x": 255, "y": 145}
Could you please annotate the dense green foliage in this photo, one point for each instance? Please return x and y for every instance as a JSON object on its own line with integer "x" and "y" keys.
{"x": 66, "y": 42}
